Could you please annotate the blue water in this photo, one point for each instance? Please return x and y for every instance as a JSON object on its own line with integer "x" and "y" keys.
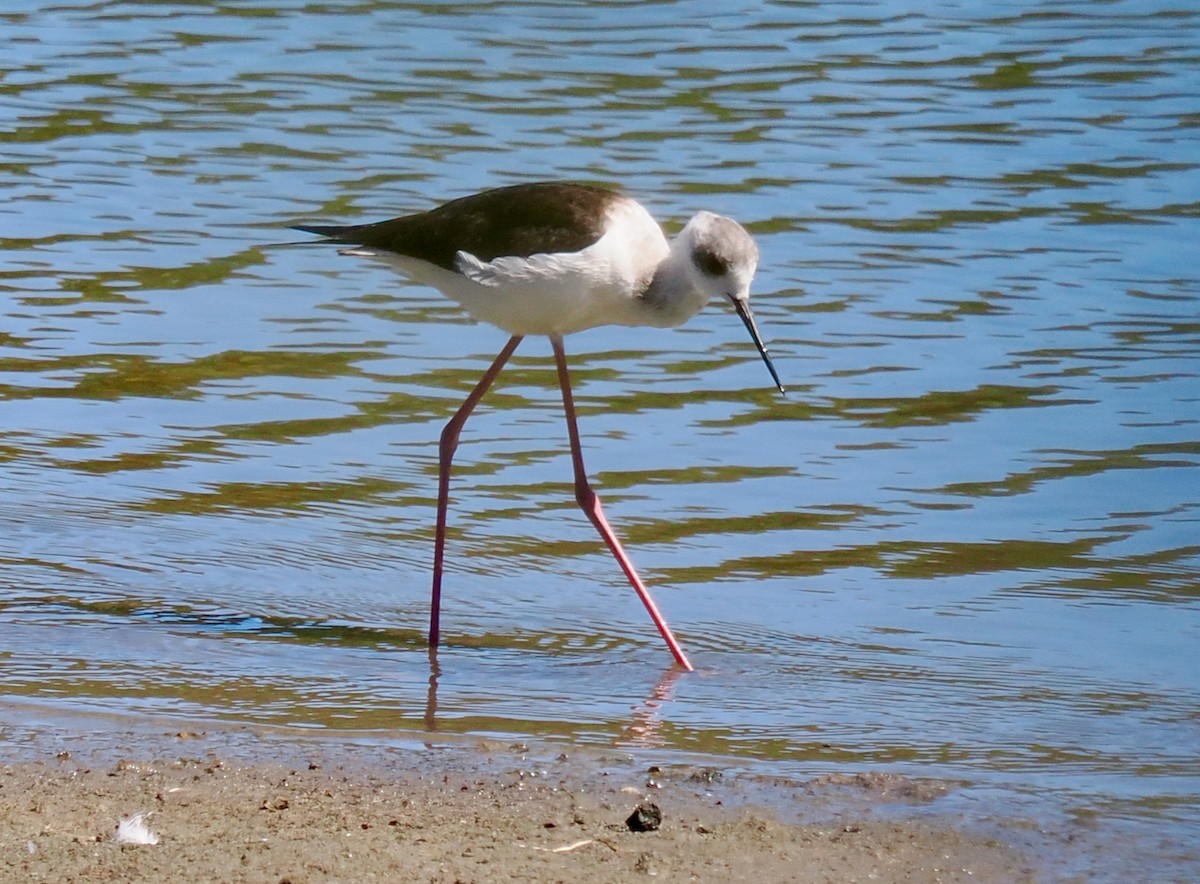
{"x": 963, "y": 546}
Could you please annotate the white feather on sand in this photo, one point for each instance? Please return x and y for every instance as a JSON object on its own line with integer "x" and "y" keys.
{"x": 133, "y": 830}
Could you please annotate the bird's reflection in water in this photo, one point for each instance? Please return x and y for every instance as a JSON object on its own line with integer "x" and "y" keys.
{"x": 645, "y": 724}
{"x": 431, "y": 695}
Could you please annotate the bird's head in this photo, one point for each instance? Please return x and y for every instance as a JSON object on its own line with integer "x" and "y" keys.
{"x": 722, "y": 260}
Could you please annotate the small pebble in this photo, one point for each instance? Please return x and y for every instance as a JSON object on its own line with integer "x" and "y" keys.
{"x": 645, "y": 818}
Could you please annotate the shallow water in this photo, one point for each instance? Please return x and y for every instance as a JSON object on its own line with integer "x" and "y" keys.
{"x": 964, "y": 545}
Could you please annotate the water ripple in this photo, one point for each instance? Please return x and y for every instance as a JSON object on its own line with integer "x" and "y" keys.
{"x": 964, "y": 543}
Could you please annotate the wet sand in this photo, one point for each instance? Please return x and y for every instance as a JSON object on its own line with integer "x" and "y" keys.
{"x": 487, "y": 812}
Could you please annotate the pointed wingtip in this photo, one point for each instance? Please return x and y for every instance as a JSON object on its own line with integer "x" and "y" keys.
{"x": 318, "y": 229}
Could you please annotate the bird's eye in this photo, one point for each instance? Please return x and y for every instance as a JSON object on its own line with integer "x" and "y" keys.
{"x": 711, "y": 263}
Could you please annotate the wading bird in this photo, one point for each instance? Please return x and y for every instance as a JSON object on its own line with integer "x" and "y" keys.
{"x": 551, "y": 259}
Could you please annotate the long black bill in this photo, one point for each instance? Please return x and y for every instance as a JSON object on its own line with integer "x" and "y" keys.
{"x": 742, "y": 306}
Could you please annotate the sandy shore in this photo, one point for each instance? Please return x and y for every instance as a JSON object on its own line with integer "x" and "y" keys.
{"x": 487, "y": 813}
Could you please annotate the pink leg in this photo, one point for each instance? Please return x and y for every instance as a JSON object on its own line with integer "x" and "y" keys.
{"x": 446, "y": 451}
{"x": 590, "y": 504}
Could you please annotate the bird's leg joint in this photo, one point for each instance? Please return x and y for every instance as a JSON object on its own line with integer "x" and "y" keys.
{"x": 586, "y": 497}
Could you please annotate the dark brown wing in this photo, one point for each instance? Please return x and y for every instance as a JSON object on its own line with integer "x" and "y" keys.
{"x": 517, "y": 221}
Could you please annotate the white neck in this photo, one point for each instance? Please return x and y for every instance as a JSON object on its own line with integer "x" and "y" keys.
{"x": 672, "y": 296}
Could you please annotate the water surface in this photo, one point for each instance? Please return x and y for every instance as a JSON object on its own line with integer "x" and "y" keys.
{"x": 965, "y": 545}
